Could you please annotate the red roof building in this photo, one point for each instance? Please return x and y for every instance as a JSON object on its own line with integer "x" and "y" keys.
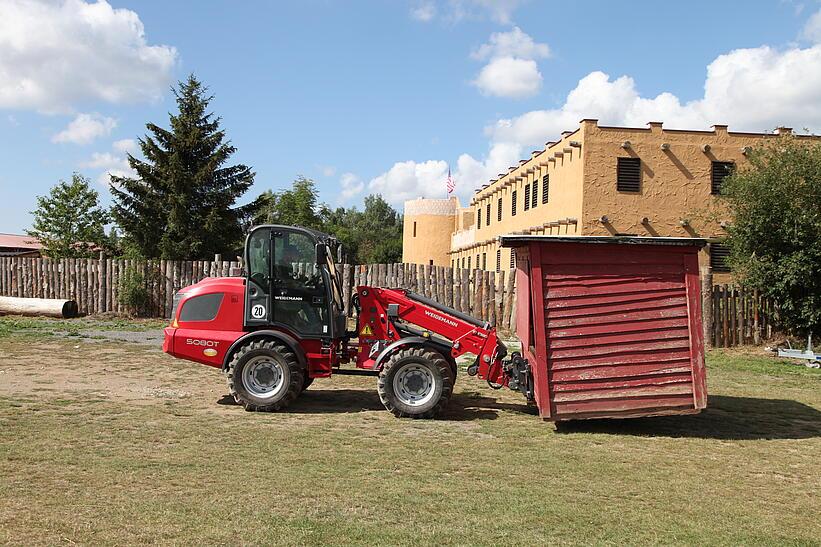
{"x": 19, "y": 245}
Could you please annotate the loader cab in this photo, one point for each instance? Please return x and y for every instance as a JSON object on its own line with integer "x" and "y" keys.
{"x": 292, "y": 282}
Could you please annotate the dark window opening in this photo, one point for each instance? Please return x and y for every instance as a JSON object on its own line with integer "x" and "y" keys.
{"x": 430, "y": 262}
{"x": 487, "y": 214}
{"x": 479, "y": 218}
{"x": 201, "y": 308}
{"x": 498, "y": 259}
{"x": 527, "y": 197}
{"x": 477, "y": 261}
{"x": 628, "y": 175}
{"x": 513, "y": 203}
{"x": 468, "y": 263}
{"x": 535, "y": 195}
{"x": 545, "y": 188}
{"x": 720, "y": 171}
{"x": 499, "y": 209}
{"x": 513, "y": 258}
{"x": 719, "y": 257}
{"x": 484, "y": 261}
{"x": 414, "y": 228}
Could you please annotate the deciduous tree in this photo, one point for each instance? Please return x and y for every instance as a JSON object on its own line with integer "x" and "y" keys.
{"x": 775, "y": 236}
{"x": 69, "y": 221}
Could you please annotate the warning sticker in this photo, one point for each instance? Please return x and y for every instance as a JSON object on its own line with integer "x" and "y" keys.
{"x": 366, "y": 331}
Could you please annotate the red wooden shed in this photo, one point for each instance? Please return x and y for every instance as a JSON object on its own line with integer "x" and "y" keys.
{"x": 611, "y": 325}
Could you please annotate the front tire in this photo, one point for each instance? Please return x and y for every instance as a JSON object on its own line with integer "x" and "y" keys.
{"x": 415, "y": 383}
{"x": 265, "y": 376}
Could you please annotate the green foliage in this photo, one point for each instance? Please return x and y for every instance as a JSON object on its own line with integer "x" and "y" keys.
{"x": 132, "y": 292}
{"x": 775, "y": 237}
{"x": 69, "y": 222}
{"x": 370, "y": 236}
{"x": 181, "y": 204}
{"x": 294, "y": 207}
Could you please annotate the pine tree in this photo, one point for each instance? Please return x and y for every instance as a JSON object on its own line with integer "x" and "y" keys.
{"x": 69, "y": 222}
{"x": 181, "y": 204}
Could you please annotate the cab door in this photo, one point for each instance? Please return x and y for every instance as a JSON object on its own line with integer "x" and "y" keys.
{"x": 258, "y": 258}
{"x": 299, "y": 286}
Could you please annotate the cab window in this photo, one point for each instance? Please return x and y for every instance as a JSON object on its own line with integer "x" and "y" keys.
{"x": 299, "y": 294}
{"x": 259, "y": 255}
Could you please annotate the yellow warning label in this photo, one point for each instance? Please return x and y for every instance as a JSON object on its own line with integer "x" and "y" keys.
{"x": 366, "y": 331}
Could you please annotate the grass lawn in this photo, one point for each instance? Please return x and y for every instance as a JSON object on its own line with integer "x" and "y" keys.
{"x": 105, "y": 442}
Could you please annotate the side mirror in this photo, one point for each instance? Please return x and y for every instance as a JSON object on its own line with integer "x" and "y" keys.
{"x": 321, "y": 254}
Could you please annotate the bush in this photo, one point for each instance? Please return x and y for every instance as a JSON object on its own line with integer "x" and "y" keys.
{"x": 775, "y": 236}
{"x": 132, "y": 292}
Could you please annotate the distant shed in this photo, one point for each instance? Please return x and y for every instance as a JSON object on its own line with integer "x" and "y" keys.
{"x": 21, "y": 246}
{"x": 611, "y": 325}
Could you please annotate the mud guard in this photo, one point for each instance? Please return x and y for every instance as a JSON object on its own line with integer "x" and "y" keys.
{"x": 289, "y": 341}
{"x": 444, "y": 349}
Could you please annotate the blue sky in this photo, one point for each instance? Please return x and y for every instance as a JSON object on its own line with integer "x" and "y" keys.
{"x": 384, "y": 96}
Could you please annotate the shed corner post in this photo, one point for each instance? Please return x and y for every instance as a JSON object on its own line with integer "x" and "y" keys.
{"x": 695, "y": 320}
{"x": 537, "y": 315}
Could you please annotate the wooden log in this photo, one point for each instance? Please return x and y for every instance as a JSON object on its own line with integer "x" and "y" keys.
{"x": 707, "y": 304}
{"x": 491, "y": 298}
{"x": 725, "y": 316}
{"x": 33, "y": 307}
{"x": 733, "y": 316}
{"x": 756, "y": 326}
{"x": 508, "y": 299}
{"x": 464, "y": 289}
{"x": 346, "y": 289}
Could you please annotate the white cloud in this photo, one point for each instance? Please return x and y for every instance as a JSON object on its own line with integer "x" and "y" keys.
{"x": 125, "y": 145}
{"x": 754, "y": 89}
{"x": 514, "y": 43}
{"x": 812, "y": 29}
{"x": 509, "y": 77}
{"x": 57, "y": 55}
{"x": 424, "y": 11}
{"x": 327, "y": 170}
{"x": 85, "y": 128}
{"x": 512, "y": 70}
{"x": 409, "y": 180}
{"x": 455, "y": 11}
{"x": 351, "y": 186}
{"x": 112, "y": 164}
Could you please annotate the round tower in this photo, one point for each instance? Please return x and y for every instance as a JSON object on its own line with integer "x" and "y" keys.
{"x": 428, "y": 226}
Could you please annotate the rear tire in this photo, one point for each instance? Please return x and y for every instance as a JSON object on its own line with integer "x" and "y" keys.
{"x": 415, "y": 383}
{"x": 308, "y": 381}
{"x": 265, "y": 376}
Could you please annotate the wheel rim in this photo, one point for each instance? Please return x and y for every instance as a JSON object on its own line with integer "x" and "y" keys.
{"x": 263, "y": 377}
{"x": 414, "y": 384}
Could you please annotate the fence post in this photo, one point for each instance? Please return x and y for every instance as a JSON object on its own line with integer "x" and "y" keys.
{"x": 707, "y": 304}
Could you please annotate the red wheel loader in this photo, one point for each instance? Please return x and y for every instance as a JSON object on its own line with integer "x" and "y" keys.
{"x": 282, "y": 325}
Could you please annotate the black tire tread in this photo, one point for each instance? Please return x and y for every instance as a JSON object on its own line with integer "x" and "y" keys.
{"x": 296, "y": 376}
{"x": 441, "y": 364}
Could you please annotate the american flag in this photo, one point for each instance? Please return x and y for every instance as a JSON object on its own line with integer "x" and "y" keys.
{"x": 451, "y": 184}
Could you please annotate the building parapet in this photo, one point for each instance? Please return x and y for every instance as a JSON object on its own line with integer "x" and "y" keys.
{"x": 463, "y": 238}
{"x": 437, "y": 207}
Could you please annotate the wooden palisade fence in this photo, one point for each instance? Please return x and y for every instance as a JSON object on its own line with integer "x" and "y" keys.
{"x": 95, "y": 283}
{"x": 738, "y": 316}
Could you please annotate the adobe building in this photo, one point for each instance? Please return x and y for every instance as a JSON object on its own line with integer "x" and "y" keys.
{"x": 427, "y": 230}
{"x": 596, "y": 180}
